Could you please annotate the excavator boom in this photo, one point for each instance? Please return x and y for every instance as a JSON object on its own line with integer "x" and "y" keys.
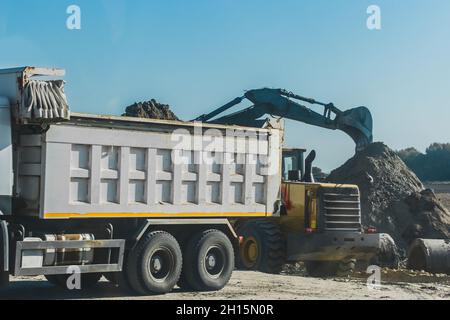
{"x": 357, "y": 122}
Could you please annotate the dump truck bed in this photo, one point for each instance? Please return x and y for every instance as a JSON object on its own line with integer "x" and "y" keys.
{"x": 115, "y": 167}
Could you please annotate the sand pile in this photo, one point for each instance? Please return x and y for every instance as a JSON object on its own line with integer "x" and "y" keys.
{"x": 393, "y": 199}
{"x": 150, "y": 110}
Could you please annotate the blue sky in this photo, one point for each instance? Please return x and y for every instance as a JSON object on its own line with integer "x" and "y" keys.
{"x": 197, "y": 55}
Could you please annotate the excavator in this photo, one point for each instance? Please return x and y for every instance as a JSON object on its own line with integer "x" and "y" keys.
{"x": 357, "y": 122}
{"x": 315, "y": 223}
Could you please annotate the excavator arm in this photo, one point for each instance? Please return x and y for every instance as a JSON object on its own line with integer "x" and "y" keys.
{"x": 357, "y": 122}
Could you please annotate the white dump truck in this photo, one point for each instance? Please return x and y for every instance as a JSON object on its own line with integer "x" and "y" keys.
{"x": 152, "y": 204}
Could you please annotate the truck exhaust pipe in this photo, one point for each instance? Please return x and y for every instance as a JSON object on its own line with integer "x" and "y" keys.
{"x": 308, "y": 176}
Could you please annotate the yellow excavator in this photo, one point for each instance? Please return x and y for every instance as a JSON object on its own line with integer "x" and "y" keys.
{"x": 316, "y": 223}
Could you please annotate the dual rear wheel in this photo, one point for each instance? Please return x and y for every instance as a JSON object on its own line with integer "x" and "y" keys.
{"x": 156, "y": 265}
{"x": 209, "y": 262}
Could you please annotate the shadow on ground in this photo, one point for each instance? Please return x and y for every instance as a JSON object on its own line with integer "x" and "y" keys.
{"x": 43, "y": 290}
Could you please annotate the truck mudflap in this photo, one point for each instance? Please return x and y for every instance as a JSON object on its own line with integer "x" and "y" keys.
{"x": 333, "y": 246}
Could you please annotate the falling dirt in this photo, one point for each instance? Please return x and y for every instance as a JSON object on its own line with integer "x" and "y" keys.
{"x": 393, "y": 199}
{"x": 150, "y": 110}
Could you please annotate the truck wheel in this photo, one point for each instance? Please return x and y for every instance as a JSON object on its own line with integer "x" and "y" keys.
{"x": 263, "y": 248}
{"x": 209, "y": 261}
{"x": 154, "y": 267}
{"x": 87, "y": 281}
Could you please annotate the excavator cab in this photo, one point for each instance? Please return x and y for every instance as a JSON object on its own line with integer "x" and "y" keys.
{"x": 297, "y": 168}
{"x": 293, "y": 164}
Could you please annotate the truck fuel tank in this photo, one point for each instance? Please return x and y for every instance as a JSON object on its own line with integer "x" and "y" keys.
{"x": 58, "y": 257}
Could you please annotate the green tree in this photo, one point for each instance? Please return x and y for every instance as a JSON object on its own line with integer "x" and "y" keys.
{"x": 434, "y": 165}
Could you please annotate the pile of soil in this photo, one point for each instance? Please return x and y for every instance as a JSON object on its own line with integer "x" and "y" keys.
{"x": 393, "y": 199}
{"x": 150, "y": 110}
{"x": 445, "y": 199}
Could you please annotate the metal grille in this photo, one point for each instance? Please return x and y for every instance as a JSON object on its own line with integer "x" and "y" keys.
{"x": 342, "y": 209}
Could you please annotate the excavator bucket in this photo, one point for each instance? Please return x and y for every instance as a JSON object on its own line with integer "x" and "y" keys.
{"x": 358, "y": 124}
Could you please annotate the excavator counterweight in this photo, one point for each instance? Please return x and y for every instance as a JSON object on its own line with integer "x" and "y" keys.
{"x": 357, "y": 122}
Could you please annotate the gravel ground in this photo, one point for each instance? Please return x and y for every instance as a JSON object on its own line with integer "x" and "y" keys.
{"x": 258, "y": 286}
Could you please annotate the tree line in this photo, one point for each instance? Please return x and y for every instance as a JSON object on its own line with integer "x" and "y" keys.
{"x": 433, "y": 165}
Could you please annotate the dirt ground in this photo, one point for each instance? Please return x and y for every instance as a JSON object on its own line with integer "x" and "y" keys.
{"x": 395, "y": 285}
{"x": 258, "y": 286}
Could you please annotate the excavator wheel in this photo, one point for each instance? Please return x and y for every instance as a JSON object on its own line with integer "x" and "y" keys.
{"x": 263, "y": 247}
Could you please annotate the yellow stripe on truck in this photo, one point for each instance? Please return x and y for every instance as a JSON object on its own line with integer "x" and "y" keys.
{"x": 152, "y": 215}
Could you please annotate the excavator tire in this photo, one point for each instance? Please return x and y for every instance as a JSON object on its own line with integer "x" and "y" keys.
{"x": 263, "y": 248}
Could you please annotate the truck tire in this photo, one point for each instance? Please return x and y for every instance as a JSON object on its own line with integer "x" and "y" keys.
{"x": 154, "y": 266}
{"x": 209, "y": 261}
{"x": 330, "y": 268}
{"x": 88, "y": 280}
{"x": 263, "y": 248}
